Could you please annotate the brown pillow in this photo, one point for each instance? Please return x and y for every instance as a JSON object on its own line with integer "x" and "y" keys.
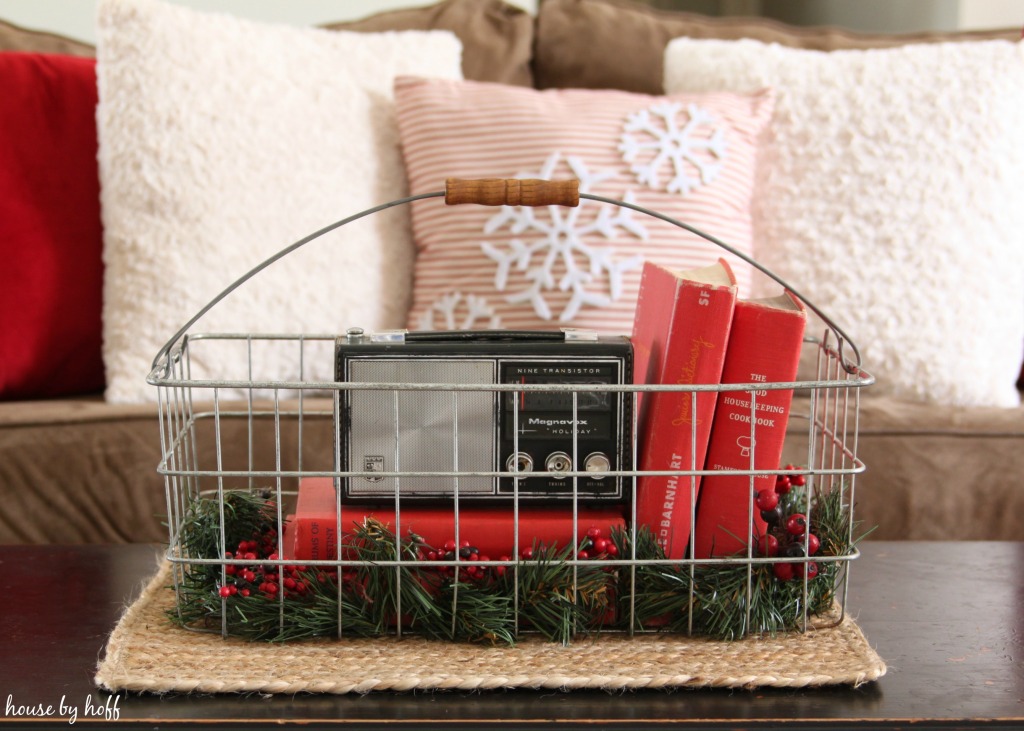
{"x": 496, "y": 38}
{"x": 14, "y": 38}
{"x": 617, "y": 44}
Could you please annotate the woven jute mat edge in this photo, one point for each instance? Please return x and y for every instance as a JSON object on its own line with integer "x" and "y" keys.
{"x": 147, "y": 653}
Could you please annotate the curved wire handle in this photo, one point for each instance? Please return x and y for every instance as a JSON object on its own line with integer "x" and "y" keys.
{"x": 514, "y": 192}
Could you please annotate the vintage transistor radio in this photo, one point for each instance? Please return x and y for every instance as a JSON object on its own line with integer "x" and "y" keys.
{"x": 537, "y": 434}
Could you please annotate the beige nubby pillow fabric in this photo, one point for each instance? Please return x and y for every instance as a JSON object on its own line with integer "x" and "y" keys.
{"x": 890, "y": 194}
{"x": 221, "y": 142}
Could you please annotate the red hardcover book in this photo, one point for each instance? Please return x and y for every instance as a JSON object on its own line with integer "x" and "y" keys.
{"x": 312, "y": 532}
{"x": 680, "y": 335}
{"x": 313, "y": 526}
{"x": 764, "y": 347}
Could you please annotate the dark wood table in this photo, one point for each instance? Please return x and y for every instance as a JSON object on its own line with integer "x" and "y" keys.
{"x": 948, "y": 618}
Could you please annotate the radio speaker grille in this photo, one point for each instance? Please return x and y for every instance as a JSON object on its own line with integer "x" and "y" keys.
{"x": 432, "y": 431}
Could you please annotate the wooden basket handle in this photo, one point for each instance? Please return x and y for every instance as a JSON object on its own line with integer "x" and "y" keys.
{"x": 512, "y": 192}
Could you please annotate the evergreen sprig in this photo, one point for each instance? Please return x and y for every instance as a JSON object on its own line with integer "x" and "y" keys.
{"x": 382, "y": 584}
{"x": 732, "y": 600}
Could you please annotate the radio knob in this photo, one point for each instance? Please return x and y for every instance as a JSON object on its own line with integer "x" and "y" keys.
{"x": 519, "y": 462}
{"x": 558, "y": 462}
{"x": 597, "y": 463}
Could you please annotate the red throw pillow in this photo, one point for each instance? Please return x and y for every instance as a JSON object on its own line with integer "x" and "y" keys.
{"x": 51, "y": 239}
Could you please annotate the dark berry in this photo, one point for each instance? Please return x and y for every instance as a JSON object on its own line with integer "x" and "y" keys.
{"x": 793, "y": 549}
{"x": 773, "y": 516}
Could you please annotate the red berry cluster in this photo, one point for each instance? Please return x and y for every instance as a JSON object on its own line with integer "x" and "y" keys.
{"x": 594, "y": 546}
{"x": 466, "y": 552}
{"x": 787, "y": 535}
{"x": 597, "y": 546}
{"x": 267, "y": 580}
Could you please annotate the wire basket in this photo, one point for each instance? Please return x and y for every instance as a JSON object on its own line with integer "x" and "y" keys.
{"x": 236, "y": 449}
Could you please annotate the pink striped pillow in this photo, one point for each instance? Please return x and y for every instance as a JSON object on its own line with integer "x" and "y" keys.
{"x": 689, "y": 156}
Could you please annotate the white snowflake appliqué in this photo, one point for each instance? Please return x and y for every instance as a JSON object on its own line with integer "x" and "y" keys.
{"x": 695, "y": 149}
{"x": 455, "y": 311}
{"x": 557, "y": 243}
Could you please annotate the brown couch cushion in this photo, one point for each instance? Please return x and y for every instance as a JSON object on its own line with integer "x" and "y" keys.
{"x": 934, "y": 472}
{"x": 80, "y": 470}
{"x": 497, "y": 38}
{"x": 15, "y": 38}
{"x": 619, "y": 44}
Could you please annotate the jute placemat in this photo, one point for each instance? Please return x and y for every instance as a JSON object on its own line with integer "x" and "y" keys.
{"x": 147, "y": 653}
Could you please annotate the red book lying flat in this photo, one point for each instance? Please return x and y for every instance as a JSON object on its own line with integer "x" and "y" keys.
{"x": 312, "y": 533}
{"x": 680, "y": 334}
{"x": 764, "y": 347}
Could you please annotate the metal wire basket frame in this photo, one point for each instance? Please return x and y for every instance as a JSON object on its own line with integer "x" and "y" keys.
{"x": 208, "y": 440}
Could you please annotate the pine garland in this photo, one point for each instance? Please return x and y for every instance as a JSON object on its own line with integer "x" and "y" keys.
{"x": 544, "y": 592}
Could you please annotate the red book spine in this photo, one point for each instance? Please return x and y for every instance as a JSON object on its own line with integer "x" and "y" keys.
{"x": 313, "y": 526}
{"x": 764, "y": 347}
{"x": 313, "y": 537}
{"x": 489, "y": 529}
{"x": 680, "y": 336}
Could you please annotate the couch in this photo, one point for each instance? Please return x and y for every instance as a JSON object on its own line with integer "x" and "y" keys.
{"x": 77, "y": 469}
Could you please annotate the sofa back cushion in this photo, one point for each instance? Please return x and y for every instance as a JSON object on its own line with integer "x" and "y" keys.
{"x": 497, "y": 38}
{"x": 15, "y": 38}
{"x": 50, "y": 233}
{"x": 618, "y": 44}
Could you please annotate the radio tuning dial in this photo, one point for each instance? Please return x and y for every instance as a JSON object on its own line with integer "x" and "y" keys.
{"x": 558, "y": 463}
{"x": 597, "y": 463}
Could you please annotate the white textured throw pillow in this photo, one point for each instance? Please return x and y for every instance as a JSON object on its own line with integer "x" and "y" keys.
{"x": 890, "y": 194}
{"x": 222, "y": 141}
